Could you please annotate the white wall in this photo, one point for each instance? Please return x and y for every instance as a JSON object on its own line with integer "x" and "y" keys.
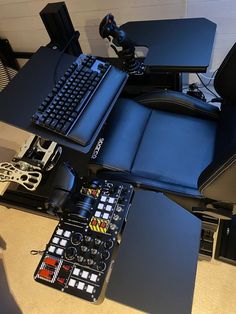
{"x": 21, "y": 24}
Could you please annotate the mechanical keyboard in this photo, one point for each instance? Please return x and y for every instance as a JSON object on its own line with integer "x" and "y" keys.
{"x": 87, "y": 82}
{"x": 79, "y": 257}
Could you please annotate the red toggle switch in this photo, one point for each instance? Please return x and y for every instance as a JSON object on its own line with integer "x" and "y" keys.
{"x": 46, "y": 274}
{"x": 66, "y": 267}
{"x": 61, "y": 280}
{"x": 51, "y": 261}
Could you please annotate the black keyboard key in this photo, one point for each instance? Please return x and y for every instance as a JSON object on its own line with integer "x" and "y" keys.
{"x": 48, "y": 121}
{"x": 54, "y": 123}
{"x": 41, "y": 108}
{"x": 59, "y": 126}
{"x": 74, "y": 114}
{"x": 65, "y": 127}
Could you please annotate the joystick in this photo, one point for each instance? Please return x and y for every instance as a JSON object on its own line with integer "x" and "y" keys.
{"x": 108, "y": 29}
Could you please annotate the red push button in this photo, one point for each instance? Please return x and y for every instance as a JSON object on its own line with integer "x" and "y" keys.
{"x": 103, "y": 224}
{"x": 94, "y": 222}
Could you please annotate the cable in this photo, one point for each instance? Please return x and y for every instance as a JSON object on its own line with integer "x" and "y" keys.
{"x": 206, "y": 86}
{"x": 209, "y": 78}
{"x": 36, "y": 252}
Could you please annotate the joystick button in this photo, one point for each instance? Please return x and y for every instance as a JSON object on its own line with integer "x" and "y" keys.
{"x": 89, "y": 262}
{"x": 83, "y": 248}
{"x": 94, "y": 252}
{"x": 97, "y": 242}
{"x": 80, "y": 259}
{"x": 87, "y": 239}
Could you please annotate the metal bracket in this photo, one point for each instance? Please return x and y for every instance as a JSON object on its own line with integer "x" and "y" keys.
{"x": 21, "y": 173}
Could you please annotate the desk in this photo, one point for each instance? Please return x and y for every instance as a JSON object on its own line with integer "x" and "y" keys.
{"x": 156, "y": 264}
{"x": 181, "y": 45}
{"x": 169, "y": 260}
{"x": 22, "y": 97}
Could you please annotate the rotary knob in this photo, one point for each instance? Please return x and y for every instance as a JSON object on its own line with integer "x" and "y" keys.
{"x": 105, "y": 255}
{"x": 108, "y": 244}
{"x": 101, "y": 266}
{"x": 70, "y": 253}
{"x": 76, "y": 238}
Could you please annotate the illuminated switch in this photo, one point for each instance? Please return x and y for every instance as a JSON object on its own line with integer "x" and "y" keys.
{"x": 72, "y": 283}
{"x": 108, "y": 208}
{"x": 103, "y": 224}
{"x": 94, "y": 222}
{"x": 67, "y": 234}
{"x": 59, "y": 231}
{"x": 59, "y": 251}
{"x": 97, "y": 214}
{"x": 90, "y": 289}
{"x": 63, "y": 242}
{"x": 85, "y": 274}
{"x": 111, "y": 200}
{"x": 105, "y": 215}
{"x": 51, "y": 249}
{"x": 76, "y": 271}
{"x": 95, "y": 193}
{"x": 55, "y": 240}
{"x": 81, "y": 285}
{"x": 100, "y": 206}
{"x": 93, "y": 277}
{"x": 103, "y": 199}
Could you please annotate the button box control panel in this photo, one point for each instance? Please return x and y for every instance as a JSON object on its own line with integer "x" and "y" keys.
{"x": 81, "y": 252}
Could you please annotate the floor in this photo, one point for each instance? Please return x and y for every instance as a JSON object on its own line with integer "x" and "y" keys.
{"x": 20, "y": 232}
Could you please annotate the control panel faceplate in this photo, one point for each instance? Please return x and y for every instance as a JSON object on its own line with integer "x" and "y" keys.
{"x": 80, "y": 254}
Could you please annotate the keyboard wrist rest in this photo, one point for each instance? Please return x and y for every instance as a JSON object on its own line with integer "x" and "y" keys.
{"x": 98, "y": 107}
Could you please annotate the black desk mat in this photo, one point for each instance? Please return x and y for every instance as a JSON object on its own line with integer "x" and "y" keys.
{"x": 156, "y": 264}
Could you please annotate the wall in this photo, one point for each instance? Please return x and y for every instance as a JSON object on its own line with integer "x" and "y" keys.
{"x": 21, "y": 24}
